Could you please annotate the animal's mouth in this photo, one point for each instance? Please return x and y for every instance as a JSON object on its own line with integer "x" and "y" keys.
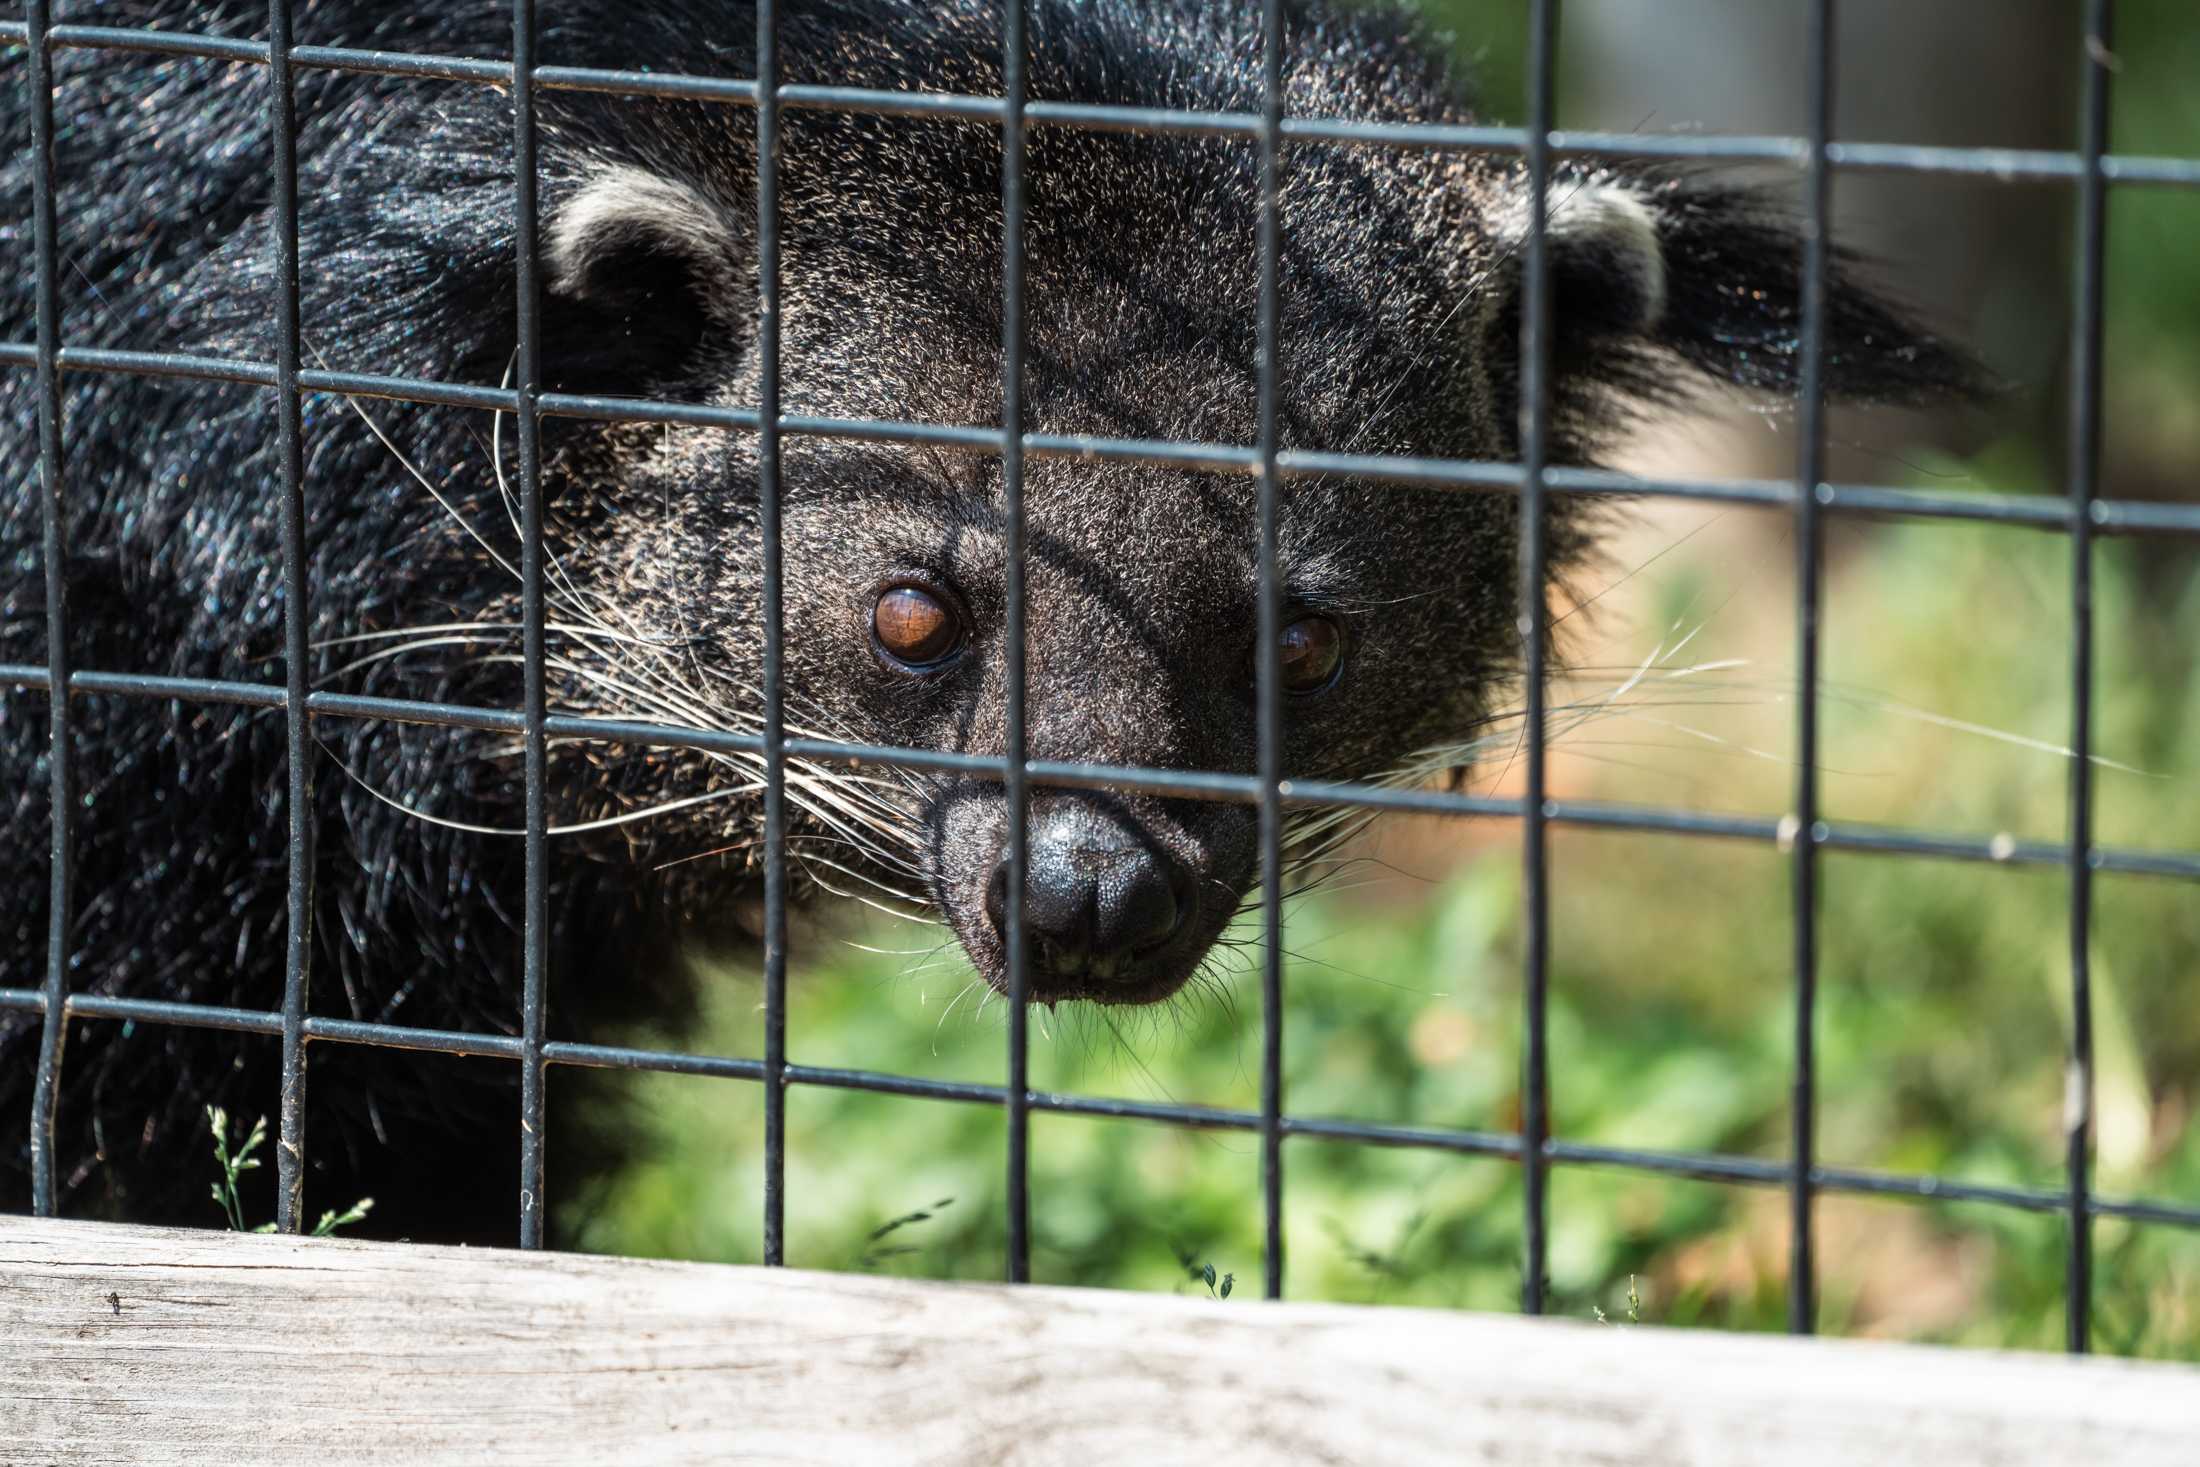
{"x": 1073, "y": 964}
{"x": 1059, "y": 974}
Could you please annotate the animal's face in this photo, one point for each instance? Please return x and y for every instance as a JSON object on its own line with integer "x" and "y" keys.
{"x": 1141, "y": 615}
{"x": 1400, "y": 295}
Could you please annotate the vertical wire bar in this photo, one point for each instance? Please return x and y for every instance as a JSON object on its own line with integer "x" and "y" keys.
{"x": 535, "y": 922}
{"x": 61, "y": 915}
{"x": 767, "y": 524}
{"x": 1817, "y": 225}
{"x": 1271, "y": 649}
{"x": 282, "y": 121}
{"x": 1012, "y": 493}
{"x": 2084, "y": 471}
{"x": 1535, "y": 351}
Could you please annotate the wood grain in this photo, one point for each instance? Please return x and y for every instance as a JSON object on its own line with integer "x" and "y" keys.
{"x": 122, "y": 1344}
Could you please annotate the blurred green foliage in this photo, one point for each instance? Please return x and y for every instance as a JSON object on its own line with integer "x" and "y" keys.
{"x": 2155, "y": 289}
{"x": 1944, "y": 987}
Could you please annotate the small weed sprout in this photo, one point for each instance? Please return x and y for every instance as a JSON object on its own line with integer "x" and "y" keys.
{"x": 331, "y": 1220}
{"x": 1634, "y": 1304}
{"x": 235, "y": 1164}
{"x": 1200, "y": 1271}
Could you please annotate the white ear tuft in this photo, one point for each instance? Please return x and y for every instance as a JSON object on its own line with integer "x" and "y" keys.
{"x": 623, "y": 211}
{"x": 646, "y": 277}
{"x": 1605, "y": 250}
{"x": 1617, "y": 225}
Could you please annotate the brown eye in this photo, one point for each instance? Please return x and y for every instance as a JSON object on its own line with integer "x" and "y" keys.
{"x": 915, "y": 627}
{"x": 1313, "y": 650}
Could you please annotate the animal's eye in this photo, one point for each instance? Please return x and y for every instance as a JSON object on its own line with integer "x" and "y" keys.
{"x": 1313, "y": 652}
{"x": 915, "y": 627}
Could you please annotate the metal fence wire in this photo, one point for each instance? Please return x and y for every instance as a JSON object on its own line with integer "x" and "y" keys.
{"x": 1802, "y": 834}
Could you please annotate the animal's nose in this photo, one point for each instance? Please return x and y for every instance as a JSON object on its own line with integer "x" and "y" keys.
{"x": 1097, "y": 896}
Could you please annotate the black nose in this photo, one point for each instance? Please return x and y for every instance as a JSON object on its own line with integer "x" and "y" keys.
{"x": 1097, "y": 895}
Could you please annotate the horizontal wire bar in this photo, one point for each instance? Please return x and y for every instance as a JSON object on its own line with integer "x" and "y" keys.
{"x": 1503, "y": 1145}
{"x": 430, "y": 1041}
{"x": 645, "y": 84}
{"x": 2010, "y": 165}
{"x": 410, "y": 64}
{"x": 1180, "y": 784}
{"x": 1943, "y": 1189}
{"x": 408, "y": 389}
{"x": 250, "y": 1021}
{"x": 2003, "y": 164}
{"x": 1653, "y": 820}
{"x": 2002, "y": 850}
{"x": 967, "y": 1092}
{"x": 1104, "y": 117}
{"x": 2046, "y": 511}
{"x": 146, "y": 364}
{"x": 178, "y": 1015}
{"x": 156, "y": 43}
{"x": 2134, "y": 517}
{"x": 666, "y": 1062}
{"x": 2141, "y": 516}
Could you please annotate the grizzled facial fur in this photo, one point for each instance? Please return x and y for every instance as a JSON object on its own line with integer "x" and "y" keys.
{"x": 1400, "y": 292}
{"x": 1400, "y": 325}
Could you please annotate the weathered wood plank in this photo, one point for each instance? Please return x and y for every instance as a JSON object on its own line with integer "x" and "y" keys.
{"x": 142, "y": 1345}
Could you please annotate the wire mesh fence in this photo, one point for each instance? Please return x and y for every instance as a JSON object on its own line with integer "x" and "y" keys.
{"x": 2081, "y": 514}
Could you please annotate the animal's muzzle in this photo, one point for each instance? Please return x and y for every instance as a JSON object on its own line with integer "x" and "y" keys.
{"x": 1099, "y": 898}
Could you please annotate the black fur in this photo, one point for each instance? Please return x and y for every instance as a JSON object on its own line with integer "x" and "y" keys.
{"x": 1400, "y": 336}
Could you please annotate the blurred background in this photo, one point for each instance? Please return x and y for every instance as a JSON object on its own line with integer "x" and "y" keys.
{"x": 1943, "y": 1014}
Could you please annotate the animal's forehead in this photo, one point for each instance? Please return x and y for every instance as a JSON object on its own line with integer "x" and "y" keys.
{"x": 1142, "y": 313}
{"x": 1169, "y": 534}
{"x": 1342, "y": 387}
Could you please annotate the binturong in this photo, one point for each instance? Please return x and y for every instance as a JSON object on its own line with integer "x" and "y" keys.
{"x": 1401, "y": 288}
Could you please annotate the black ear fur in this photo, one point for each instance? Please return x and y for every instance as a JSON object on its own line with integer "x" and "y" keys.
{"x": 646, "y": 280}
{"x": 1653, "y": 275}
{"x": 1734, "y": 267}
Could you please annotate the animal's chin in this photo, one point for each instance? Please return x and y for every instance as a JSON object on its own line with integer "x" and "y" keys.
{"x": 1136, "y": 985}
{"x": 1054, "y": 977}
{"x": 1051, "y": 988}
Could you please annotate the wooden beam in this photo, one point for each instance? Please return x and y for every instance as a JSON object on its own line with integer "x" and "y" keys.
{"x": 154, "y": 1346}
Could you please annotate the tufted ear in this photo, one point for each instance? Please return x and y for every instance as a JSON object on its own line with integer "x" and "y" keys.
{"x": 1660, "y": 282}
{"x": 646, "y": 279}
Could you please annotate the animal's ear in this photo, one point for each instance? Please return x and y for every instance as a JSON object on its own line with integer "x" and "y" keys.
{"x": 1659, "y": 282}
{"x": 646, "y": 280}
